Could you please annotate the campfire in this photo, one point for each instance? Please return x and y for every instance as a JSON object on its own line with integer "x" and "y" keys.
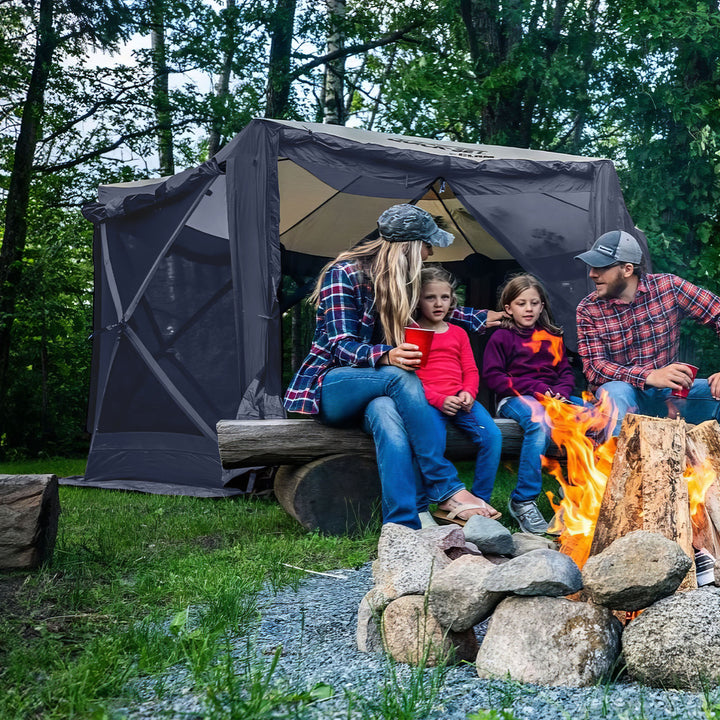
{"x": 658, "y": 475}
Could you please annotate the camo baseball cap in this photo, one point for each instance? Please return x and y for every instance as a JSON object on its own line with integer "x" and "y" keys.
{"x": 406, "y": 223}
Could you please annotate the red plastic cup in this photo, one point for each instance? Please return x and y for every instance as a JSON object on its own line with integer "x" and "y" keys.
{"x": 423, "y": 339}
{"x": 683, "y": 392}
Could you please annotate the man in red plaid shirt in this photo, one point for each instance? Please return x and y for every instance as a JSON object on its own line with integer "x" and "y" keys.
{"x": 629, "y": 329}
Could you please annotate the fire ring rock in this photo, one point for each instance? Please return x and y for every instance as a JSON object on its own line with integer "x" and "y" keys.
{"x": 539, "y": 572}
{"x": 412, "y": 634}
{"x": 676, "y": 642}
{"x": 549, "y": 641}
{"x": 635, "y": 571}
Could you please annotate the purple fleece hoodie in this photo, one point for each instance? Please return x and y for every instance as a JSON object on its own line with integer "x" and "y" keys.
{"x": 516, "y": 363}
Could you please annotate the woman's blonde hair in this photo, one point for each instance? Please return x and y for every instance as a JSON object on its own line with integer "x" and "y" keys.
{"x": 517, "y": 285}
{"x": 437, "y": 273}
{"x": 393, "y": 268}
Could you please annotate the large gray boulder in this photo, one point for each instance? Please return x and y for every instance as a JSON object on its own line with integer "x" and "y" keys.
{"x": 635, "y": 571}
{"x": 412, "y": 634}
{"x": 676, "y": 642}
{"x": 549, "y": 641}
{"x": 457, "y": 596}
{"x": 407, "y": 558}
{"x": 539, "y": 572}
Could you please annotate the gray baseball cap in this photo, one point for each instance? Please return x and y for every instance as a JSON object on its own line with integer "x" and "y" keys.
{"x": 616, "y": 246}
{"x": 406, "y": 223}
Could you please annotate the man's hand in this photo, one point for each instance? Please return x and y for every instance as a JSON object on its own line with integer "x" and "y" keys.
{"x": 714, "y": 382}
{"x": 674, "y": 376}
{"x": 451, "y": 404}
{"x": 466, "y": 400}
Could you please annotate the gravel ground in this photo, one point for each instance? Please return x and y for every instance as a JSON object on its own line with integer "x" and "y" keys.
{"x": 315, "y": 625}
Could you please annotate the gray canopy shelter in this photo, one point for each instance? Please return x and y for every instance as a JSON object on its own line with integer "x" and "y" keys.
{"x": 188, "y": 269}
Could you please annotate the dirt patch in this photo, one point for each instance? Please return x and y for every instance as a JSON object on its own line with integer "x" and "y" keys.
{"x": 10, "y": 589}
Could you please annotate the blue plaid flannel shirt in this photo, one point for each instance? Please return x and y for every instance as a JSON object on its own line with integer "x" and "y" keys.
{"x": 345, "y": 324}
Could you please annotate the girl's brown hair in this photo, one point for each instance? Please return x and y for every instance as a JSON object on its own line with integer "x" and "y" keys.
{"x": 394, "y": 270}
{"x": 517, "y": 285}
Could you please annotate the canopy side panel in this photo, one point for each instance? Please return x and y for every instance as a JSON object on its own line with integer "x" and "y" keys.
{"x": 253, "y": 220}
{"x": 164, "y": 344}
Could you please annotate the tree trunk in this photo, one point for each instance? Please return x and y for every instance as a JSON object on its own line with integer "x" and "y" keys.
{"x": 334, "y": 96}
{"x": 222, "y": 86}
{"x": 278, "y": 82}
{"x": 161, "y": 89}
{"x": 18, "y": 194}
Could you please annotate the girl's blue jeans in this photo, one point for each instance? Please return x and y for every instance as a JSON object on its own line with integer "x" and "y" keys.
{"x": 696, "y": 408}
{"x": 390, "y": 404}
{"x": 483, "y": 431}
{"x": 536, "y": 438}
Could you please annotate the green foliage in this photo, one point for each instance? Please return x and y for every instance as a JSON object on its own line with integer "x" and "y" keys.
{"x": 50, "y": 357}
{"x": 632, "y": 81}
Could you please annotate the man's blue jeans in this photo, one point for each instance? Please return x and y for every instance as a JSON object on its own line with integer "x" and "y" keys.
{"x": 696, "y": 408}
{"x": 483, "y": 431}
{"x": 390, "y": 404}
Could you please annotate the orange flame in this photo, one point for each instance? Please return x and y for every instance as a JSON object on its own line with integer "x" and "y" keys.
{"x": 555, "y": 344}
{"x": 588, "y": 469}
{"x": 699, "y": 479}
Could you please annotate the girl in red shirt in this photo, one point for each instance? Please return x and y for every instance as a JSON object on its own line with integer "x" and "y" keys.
{"x": 450, "y": 380}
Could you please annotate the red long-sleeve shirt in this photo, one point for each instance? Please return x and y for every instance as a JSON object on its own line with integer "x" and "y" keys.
{"x": 451, "y": 367}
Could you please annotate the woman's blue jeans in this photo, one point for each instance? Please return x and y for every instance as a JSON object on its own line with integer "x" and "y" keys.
{"x": 536, "y": 438}
{"x": 390, "y": 404}
{"x": 696, "y": 408}
{"x": 483, "y": 431}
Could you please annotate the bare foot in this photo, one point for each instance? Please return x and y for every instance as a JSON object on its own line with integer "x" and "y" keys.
{"x": 465, "y": 497}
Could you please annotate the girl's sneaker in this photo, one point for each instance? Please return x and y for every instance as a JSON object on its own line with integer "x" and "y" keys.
{"x": 528, "y": 517}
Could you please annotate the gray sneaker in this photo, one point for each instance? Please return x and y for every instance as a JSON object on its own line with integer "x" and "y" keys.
{"x": 528, "y": 517}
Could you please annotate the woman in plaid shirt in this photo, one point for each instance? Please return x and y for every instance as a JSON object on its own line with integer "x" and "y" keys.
{"x": 360, "y": 370}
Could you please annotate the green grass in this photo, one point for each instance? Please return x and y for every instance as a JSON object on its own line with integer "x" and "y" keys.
{"x": 73, "y": 634}
{"x": 143, "y": 583}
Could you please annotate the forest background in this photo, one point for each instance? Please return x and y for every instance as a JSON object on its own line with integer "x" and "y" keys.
{"x": 636, "y": 81}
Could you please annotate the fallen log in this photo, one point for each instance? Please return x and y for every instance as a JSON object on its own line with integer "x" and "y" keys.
{"x": 29, "y": 511}
{"x": 247, "y": 443}
{"x": 328, "y": 477}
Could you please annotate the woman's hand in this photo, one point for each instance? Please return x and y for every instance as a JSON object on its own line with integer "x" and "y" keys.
{"x": 493, "y": 318}
{"x": 405, "y": 356}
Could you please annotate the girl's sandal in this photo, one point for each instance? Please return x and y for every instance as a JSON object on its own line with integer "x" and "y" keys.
{"x": 450, "y": 517}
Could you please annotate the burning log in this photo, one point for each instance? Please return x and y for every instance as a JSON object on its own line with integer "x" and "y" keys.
{"x": 646, "y": 488}
{"x": 703, "y": 457}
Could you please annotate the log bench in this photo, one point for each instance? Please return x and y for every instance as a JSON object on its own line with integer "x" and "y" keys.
{"x": 327, "y": 479}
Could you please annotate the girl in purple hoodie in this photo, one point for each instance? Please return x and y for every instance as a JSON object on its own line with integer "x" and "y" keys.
{"x": 524, "y": 360}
